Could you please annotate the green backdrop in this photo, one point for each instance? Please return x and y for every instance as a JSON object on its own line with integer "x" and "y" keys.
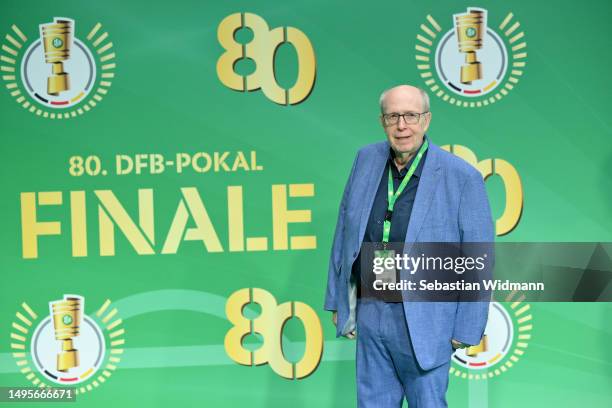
{"x": 166, "y": 98}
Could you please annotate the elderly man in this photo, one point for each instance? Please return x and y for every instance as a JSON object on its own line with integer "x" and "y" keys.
{"x": 406, "y": 190}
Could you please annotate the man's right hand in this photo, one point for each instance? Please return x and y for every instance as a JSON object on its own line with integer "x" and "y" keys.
{"x": 350, "y": 335}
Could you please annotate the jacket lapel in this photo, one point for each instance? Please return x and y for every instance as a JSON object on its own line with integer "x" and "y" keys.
{"x": 376, "y": 169}
{"x": 430, "y": 176}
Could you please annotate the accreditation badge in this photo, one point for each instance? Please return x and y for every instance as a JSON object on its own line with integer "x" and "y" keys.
{"x": 389, "y": 274}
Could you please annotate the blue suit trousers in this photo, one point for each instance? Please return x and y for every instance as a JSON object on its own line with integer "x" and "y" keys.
{"x": 387, "y": 369}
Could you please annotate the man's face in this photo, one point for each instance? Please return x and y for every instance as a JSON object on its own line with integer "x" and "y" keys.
{"x": 404, "y": 137}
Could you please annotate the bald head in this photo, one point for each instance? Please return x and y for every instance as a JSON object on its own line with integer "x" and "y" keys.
{"x": 405, "y": 92}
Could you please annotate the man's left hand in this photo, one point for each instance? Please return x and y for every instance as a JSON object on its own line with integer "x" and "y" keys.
{"x": 459, "y": 345}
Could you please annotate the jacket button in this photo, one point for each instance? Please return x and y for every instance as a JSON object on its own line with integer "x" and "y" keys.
{"x": 354, "y": 254}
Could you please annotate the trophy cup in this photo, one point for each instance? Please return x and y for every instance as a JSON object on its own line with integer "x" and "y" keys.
{"x": 57, "y": 40}
{"x": 66, "y": 322}
{"x": 470, "y": 28}
{"x": 483, "y": 346}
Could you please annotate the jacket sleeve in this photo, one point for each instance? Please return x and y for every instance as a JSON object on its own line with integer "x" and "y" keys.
{"x": 475, "y": 226}
{"x": 335, "y": 259}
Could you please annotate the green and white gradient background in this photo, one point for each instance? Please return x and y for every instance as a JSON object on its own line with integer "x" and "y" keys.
{"x": 554, "y": 128}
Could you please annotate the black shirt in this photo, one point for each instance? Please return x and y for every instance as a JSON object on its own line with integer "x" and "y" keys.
{"x": 401, "y": 210}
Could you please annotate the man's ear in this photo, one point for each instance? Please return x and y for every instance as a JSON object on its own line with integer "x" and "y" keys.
{"x": 427, "y": 121}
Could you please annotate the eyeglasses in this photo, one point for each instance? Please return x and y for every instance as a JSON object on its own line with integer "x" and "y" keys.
{"x": 411, "y": 118}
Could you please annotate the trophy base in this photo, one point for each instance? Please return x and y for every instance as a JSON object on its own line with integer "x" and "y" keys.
{"x": 481, "y": 347}
{"x": 471, "y": 72}
{"x": 67, "y": 359}
{"x": 58, "y": 83}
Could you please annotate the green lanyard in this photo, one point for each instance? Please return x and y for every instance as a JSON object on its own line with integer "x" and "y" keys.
{"x": 392, "y": 196}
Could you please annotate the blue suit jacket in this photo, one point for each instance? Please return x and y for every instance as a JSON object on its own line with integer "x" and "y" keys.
{"x": 451, "y": 205}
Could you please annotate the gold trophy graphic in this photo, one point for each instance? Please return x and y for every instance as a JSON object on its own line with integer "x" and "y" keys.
{"x": 57, "y": 40}
{"x": 481, "y": 347}
{"x": 66, "y": 322}
{"x": 470, "y": 28}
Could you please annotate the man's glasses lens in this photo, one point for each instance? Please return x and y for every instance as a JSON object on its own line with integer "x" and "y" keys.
{"x": 410, "y": 118}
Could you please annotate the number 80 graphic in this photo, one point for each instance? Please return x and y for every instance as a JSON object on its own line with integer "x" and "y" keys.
{"x": 262, "y": 50}
{"x": 269, "y": 324}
